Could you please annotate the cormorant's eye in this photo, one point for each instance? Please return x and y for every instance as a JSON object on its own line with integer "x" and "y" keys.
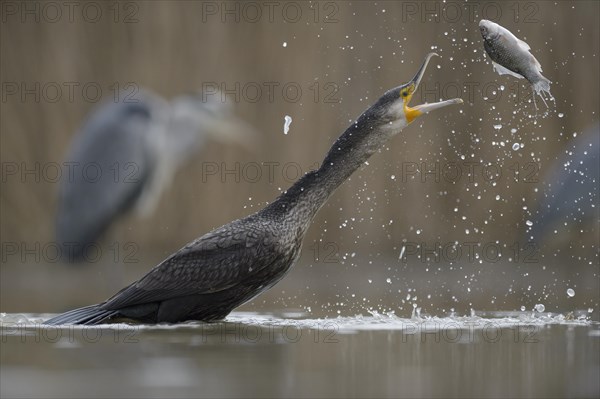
{"x": 404, "y": 94}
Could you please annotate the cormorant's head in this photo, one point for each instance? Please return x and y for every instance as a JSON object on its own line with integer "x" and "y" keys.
{"x": 393, "y": 107}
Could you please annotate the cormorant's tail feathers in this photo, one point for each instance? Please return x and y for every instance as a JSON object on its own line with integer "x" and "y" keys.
{"x": 88, "y": 315}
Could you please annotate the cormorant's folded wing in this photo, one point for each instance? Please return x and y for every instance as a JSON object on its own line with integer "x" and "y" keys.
{"x": 216, "y": 261}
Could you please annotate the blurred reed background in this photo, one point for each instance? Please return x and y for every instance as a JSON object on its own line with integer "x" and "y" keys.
{"x": 342, "y": 56}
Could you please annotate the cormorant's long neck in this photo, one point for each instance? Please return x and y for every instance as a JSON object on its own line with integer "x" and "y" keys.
{"x": 302, "y": 201}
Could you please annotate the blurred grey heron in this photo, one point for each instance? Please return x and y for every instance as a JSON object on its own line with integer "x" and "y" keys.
{"x": 572, "y": 196}
{"x": 126, "y": 154}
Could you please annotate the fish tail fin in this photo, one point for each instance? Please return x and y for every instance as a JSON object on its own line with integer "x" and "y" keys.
{"x": 542, "y": 88}
{"x": 542, "y": 85}
{"x": 88, "y": 315}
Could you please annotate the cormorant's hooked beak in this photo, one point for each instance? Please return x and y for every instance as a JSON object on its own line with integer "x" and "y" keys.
{"x": 409, "y": 89}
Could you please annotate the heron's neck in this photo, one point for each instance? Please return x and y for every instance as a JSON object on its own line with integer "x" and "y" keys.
{"x": 185, "y": 137}
{"x": 303, "y": 200}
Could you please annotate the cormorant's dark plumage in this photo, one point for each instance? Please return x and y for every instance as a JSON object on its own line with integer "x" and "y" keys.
{"x": 232, "y": 264}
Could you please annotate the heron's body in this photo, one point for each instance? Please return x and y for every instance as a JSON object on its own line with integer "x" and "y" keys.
{"x": 232, "y": 264}
{"x": 125, "y": 155}
{"x": 112, "y": 163}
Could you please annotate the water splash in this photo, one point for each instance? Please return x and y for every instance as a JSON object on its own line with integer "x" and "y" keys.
{"x": 376, "y": 321}
{"x": 286, "y": 124}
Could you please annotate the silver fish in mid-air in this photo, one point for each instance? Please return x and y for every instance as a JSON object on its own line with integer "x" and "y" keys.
{"x": 510, "y": 55}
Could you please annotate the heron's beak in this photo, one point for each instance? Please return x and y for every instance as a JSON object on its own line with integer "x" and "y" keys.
{"x": 231, "y": 129}
{"x": 412, "y": 113}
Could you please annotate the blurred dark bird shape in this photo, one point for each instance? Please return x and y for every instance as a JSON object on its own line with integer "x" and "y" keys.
{"x": 571, "y": 199}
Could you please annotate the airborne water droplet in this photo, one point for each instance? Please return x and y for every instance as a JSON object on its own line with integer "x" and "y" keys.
{"x": 516, "y": 146}
{"x": 539, "y": 308}
{"x": 287, "y": 123}
{"x": 571, "y": 292}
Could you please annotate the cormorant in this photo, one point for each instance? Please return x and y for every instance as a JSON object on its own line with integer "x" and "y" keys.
{"x": 212, "y": 275}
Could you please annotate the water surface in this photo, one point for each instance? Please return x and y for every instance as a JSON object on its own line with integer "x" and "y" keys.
{"x": 511, "y": 354}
